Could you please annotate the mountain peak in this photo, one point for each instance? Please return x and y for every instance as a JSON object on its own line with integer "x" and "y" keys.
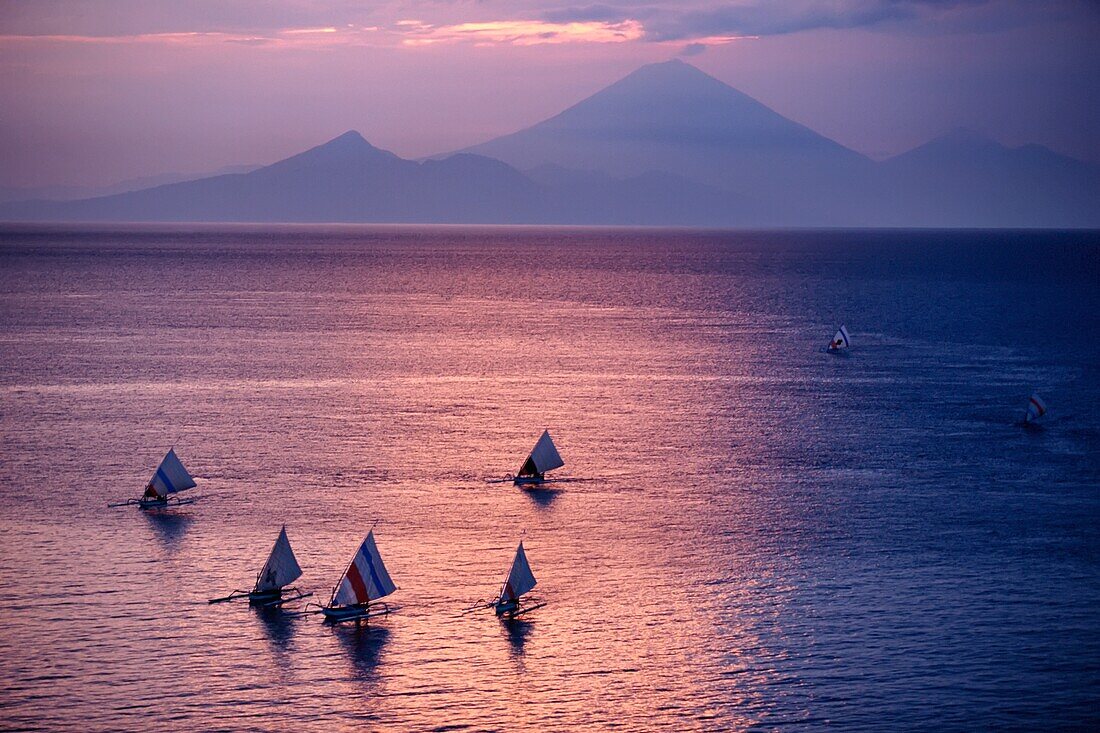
{"x": 673, "y": 75}
{"x": 350, "y": 140}
{"x": 348, "y": 149}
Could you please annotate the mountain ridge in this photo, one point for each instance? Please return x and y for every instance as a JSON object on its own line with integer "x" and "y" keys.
{"x": 666, "y": 144}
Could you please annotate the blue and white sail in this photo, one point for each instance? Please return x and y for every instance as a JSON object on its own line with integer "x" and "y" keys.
{"x": 1036, "y": 408}
{"x": 170, "y": 476}
{"x": 840, "y": 340}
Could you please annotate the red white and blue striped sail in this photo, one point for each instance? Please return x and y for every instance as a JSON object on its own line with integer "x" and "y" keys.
{"x": 1036, "y": 408}
{"x": 520, "y": 578}
{"x": 281, "y": 568}
{"x": 365, "y": 579}
{"x": 171, "y": 476}
{"x": 840, "y": 340}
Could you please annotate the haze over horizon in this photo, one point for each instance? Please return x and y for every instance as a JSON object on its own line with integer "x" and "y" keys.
{"x": 98, "y": 92}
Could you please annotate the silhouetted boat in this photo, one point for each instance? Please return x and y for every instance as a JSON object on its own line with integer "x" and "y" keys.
{"x": 543, "y": 457}
{"x": 280, "y": 570}
{"x": 520, "y": 580}
{"x": 169, "y": 479}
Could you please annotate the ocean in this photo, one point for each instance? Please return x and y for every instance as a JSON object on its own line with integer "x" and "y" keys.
{"x": 748, "y": 533}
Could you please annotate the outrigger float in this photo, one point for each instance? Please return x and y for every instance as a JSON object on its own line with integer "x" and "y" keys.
{"x": 509, "y": 603}
{"x": 840, "y": 342}
{"x": 358, "y": 595}
{"x": 169, "y": 479}
{"x": 280, "y": 570}
{"x": 543, "y": 457}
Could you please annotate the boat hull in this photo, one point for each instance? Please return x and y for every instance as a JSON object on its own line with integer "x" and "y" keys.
{"x": 509, "y": 611}
{"x": 264, "y": 596}
{"x": 528, "y": 480}
{"x": 341, "y": 614}
{"x": 162, "y": 503}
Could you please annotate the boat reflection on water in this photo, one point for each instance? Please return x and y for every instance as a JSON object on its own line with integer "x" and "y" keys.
{"x": 364, "y": 646}
{"x": 542, "y": 497}
{"x": 278, "y": 628}
{"x": 168, "y": 526}
{"x": 517, "y": 631}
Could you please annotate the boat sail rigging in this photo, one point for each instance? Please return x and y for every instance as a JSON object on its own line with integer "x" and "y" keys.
{"x": 1036, "y": 408}
{"x": 364, "y": 583}
{"x": 840, "y": 340}
{"x": 520, "y": 580}
{"x": 169, "y": 479}
{"x": 280, "y": 570}
{"x": 543, "y": 457}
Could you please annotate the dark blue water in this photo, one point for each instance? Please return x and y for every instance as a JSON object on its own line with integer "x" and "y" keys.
{"x": 749, "y": 533}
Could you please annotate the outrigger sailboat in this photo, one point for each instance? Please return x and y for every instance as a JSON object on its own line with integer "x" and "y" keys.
{"x": 357, "y": 597}
{"x": 509, "y": 603}
{"x": 1036, "y": 408}
{"x": 543, "y": 457}
{"x": 520, "y": 580}
{"x": 840, "y": 341}
{"x": 170, "y": 478}
{"x": 280, "y": 570}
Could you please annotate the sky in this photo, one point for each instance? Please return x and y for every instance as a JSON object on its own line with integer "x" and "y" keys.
{"x": 97, "y": 91}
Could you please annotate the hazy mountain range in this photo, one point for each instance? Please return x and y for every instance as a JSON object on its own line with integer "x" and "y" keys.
{"x": 69, "y": 193}
{"x": 666, "y": 145}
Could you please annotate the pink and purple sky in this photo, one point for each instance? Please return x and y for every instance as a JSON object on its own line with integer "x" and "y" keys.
{"x": 95, "y": 91}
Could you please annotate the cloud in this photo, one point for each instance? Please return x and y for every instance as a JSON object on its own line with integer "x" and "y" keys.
{"x": 520, "y": 32}
{"x": 286, "y": 23}
{"x": 760, "y": 18}
{"x": 603, "y": 13}
{"x": 693, "y": 49}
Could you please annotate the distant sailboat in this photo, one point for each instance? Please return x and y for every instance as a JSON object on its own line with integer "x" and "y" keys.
{"x": 362, "y": 586}
{"x": 520, "y": 580}
{"x": 543, "y": 457}
{"x": 169, "y": 479}
{"x": 280, "y": 570}
{"x": 840, "y": 340}
{"x": 1036, "y": 408}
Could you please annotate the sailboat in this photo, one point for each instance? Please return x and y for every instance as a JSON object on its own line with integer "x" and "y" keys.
{"x": 1036, "y": 408}
{"x": 169, "y": 479}
{"x": 520, "y": 580}
{"x": 280, "y": 570}
{"x": 840, "y": 341}
{"x": 543, "y": 457}
{"x": 357, "y": 597}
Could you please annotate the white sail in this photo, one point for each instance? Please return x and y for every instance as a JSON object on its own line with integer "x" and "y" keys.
{"x": 281, "y": 568}
{"x": 544, "y": 457}
{"x": 520, "y": 579}
{"x": 1036, "y": 408}
{"x": 840, "y": 340}
{"x": 365, "y": 579}
{"x": 171, "y": 476}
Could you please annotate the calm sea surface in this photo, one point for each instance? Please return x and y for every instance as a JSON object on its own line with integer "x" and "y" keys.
{"x": 748, "y": 533}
